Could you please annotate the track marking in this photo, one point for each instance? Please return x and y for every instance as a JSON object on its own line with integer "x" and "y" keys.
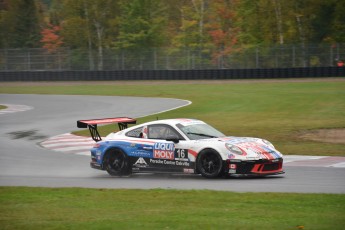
{"x": 69, "y": 143}
{"x": 14, "y": 108}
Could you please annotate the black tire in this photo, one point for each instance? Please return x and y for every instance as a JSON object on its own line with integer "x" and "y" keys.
{"x": 209, "y": 163}
{"x": 116, "y": 163}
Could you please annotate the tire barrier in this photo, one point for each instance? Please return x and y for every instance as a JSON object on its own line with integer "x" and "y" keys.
{"x": 207, "y": 74}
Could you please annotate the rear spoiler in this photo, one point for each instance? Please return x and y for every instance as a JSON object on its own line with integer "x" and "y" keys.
{"x": 92, "y": 125}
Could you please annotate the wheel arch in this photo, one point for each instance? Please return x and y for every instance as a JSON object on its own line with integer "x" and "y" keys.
{"x": 109, "y": 150}
{"x": 197, "y": 171}
{"x": 116, "y": 162}
{"x": 208, "y": 148}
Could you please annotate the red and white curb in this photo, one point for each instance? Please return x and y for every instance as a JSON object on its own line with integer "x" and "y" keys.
{"x": 14, "y": 108}
{"x": 69, "y": 143}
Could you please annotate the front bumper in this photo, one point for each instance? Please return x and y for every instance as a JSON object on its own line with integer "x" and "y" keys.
{"x": 258, "y": 167}
{"x": 94, "y": 164}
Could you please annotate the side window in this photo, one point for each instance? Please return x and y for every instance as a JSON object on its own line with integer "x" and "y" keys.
{"x": 134, "y": 133}
{"x": 161, "y": 132}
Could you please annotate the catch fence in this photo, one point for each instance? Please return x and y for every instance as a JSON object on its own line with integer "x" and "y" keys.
{"x": 65, "y": 59}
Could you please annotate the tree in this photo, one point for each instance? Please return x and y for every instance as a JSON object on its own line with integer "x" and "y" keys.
{"x": 191, "y": 31}
{"x": 20, "y": 22}
{"x": 338, "y": 24}
{"x": 50, "y": 38}
{"x": 88, "y": 24}
{"x": 222, "y": 28}
{"x": 141, "y": 24}
{"x": 192, "y": 36}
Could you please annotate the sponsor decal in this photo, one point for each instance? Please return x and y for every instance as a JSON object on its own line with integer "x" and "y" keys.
{"x": 163, "y": 151}
{"x": 231, "y": 156}
{"x": 140, "y": 161}
{"x": 188, "y": 170}
{"x": 168, "y": 162}
{"x": 182, "y": 163}
{"x": 140, "y": 153}
{"x": 261, "y": 150}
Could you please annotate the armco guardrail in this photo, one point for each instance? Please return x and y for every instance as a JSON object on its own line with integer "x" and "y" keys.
{"x": 214, "y": 74}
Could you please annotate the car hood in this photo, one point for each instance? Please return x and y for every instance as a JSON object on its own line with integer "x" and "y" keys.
{"x": 250, "y": 148}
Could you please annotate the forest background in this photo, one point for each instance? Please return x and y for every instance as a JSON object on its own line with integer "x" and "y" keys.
{"x": 213, "y": 28}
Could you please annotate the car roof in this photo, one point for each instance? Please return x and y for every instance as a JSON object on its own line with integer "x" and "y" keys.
{"x": 174, "y": 121}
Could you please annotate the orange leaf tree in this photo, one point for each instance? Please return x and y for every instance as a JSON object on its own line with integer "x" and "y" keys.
{"x": 50, "y": 38}
{"x": 222, "y": 28}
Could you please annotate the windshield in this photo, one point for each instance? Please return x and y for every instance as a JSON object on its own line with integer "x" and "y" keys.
{"x": 199, "y": 131}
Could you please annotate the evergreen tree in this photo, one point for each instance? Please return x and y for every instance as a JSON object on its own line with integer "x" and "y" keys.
{"x": 20, "y": 24}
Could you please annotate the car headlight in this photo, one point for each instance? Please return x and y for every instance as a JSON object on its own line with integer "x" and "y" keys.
{"x": 233, "y": 149}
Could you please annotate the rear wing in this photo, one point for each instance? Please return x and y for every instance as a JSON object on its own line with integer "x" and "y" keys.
{"x": 92, "y": 125}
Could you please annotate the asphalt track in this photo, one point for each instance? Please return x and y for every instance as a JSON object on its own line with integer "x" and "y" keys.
{"x": 24, "y": 163}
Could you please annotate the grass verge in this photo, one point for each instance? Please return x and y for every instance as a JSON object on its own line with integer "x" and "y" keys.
{"x": 277, "y": 111}
{"x": 76, "y": 208}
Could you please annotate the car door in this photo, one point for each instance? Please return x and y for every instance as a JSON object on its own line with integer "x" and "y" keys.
{"x": 168, "y": 155}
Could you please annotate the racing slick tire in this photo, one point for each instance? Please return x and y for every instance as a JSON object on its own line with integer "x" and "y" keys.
{"x": 116, "y": 163}
{"x": 209, "y": 163}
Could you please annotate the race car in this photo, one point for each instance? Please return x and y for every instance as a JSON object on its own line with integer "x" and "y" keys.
{"x": 179, "y": 146}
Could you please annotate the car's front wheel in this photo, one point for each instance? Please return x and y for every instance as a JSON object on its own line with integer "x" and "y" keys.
{"x": 116, "y": 163}
{"x": 209, "y": 163}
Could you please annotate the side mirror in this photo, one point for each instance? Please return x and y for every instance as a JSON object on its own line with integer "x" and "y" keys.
{"x": 173, "y": 138}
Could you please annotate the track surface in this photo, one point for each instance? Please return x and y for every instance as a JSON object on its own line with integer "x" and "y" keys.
{"x": 23, "y": 162}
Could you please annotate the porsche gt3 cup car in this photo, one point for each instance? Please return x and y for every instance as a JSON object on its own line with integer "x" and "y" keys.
{"x": 179, "y": 146}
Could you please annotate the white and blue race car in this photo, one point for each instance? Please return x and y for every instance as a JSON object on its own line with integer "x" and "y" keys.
{"x": 179, "y": 146}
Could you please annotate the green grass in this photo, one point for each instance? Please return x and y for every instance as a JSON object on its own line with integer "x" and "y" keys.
{"x": 2, "y": 107}
{"x": 278, "y": 111}
{"x": 76, "y": 208}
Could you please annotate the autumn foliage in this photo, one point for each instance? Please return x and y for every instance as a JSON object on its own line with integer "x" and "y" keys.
{"x": 223, "y": 29}
{"x": 50, "y": 38}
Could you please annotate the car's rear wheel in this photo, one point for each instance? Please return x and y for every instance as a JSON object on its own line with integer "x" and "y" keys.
{"x": 209, "y": 163}
{"x": 116, "y": 163}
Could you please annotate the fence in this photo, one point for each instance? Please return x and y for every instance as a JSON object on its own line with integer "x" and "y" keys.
{"x": 282, "y": 56}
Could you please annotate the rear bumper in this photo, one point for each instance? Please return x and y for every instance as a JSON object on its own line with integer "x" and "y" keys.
{"x": 259, "y": 167}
